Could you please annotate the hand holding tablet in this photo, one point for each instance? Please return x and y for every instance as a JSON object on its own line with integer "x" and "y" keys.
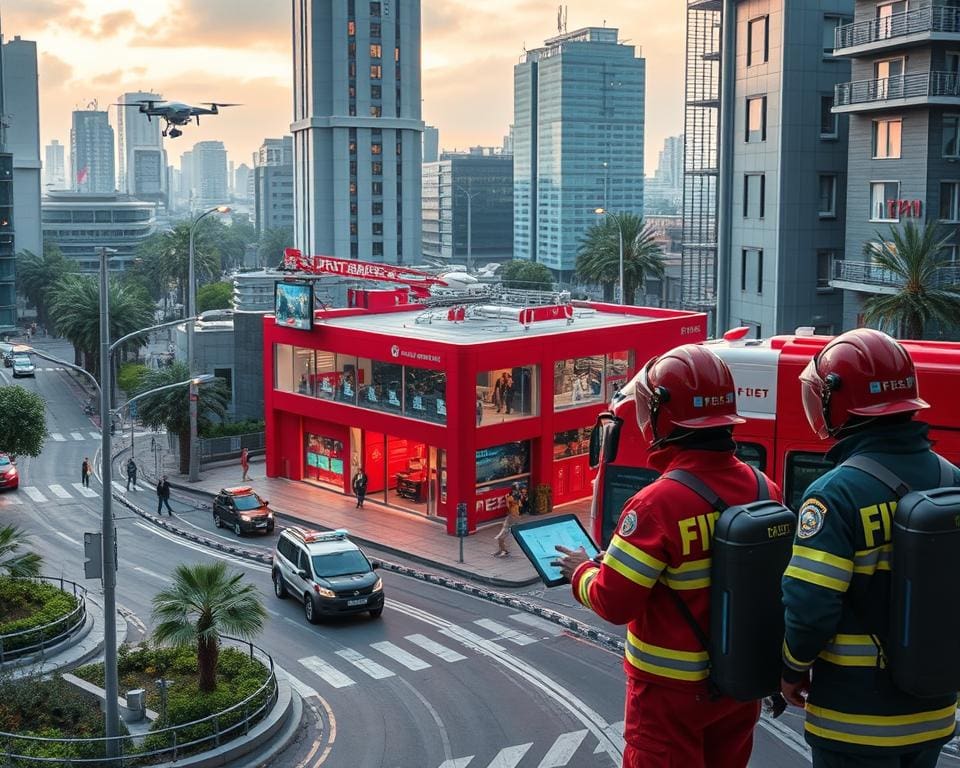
{"x": 541, "y": 541}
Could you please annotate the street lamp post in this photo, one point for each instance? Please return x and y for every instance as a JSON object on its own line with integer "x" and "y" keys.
{"x": 470, "y": 195}
{"x": 190, "y": 312}
{"x": 616, "y": 218}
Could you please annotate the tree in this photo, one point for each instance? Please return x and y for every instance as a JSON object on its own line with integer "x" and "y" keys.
{"x": 204, "y": 602}
{"x": 130, "y": 377}
{"x": 232, "y": 239}
{"x": 13, "y": 539}
{"x": 37, "y": 274}
{"x": 272, "y": 243}
{"x": 914, "y": 255}
{"x": 171, "y": 408}
{"x": 23, "y": 423}
{"x": 75, "y": 310}
{"x": 528, "y": 275}
{"x": 598, "y": 259}
{"x": 214, "y": 296}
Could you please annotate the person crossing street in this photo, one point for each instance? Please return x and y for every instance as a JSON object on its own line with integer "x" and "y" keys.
{"x": 163, "y": 496}
{"x": 131, "y": 473}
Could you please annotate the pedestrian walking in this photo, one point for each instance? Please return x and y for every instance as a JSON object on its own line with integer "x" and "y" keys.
{"x": 506, "y": 392}
{"x": 360, "y": 487}
{"x": 131, "y": 473}
{"x": 245, "y": 462}
{"x": 524, "y": 501}
{"x": 163, "y": 496}
{"x": 479, "y": 409}
{"x": 512, "y": 518}
{"x": 86, "y": 469}
{"x": 498, "y": 388}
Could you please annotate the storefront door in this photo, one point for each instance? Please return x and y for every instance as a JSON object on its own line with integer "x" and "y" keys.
{"x": 401, "y": 472}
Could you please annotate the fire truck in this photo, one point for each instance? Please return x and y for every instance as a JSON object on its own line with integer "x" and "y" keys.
{"x": 776, "y": 437}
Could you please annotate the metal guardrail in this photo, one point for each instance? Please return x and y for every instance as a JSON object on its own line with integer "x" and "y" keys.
{"x": 179, "y": 746}
{"x": 920, "y": 20}
{"x": 867, "y": 273}
{"x": 214, "y": 448}
{"x": 15, "y": 645}
{"x": 914, "y": 85}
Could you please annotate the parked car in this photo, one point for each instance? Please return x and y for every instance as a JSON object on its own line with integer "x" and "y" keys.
{"x": 9, "y": 477}
{"x": 243, "y": 510}
{"x": 327, "y": 572}
{"x": 7, "y": 358}
{"x": 23, "y": 365}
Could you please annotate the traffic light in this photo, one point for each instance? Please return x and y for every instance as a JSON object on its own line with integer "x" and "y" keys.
{"x": 92, "y": 556}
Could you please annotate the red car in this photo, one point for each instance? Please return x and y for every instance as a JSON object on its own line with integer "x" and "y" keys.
{"x": 9, "y": 477}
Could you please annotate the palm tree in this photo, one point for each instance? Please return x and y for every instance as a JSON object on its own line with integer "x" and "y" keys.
{"x": 25, "y": 564}
{"x": 36, "y": 274}
{"x": 598, "y": 259}
{"x": 272, "y": 244}
{"x": 171, "y": 408}
{"x": 914, "y": 255}
{"x": 204, "y": 602}
{"x": 75, "y": 310}
{"x": 174, "y": 254}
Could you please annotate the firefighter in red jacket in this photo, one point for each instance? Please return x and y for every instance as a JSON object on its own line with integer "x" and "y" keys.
{"x": 686, "y": 407}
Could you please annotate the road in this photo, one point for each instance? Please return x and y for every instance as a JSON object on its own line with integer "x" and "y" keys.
{"x": 442, "y": 680}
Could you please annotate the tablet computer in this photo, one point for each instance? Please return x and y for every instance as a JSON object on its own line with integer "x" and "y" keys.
{"x": 539, "y": 539}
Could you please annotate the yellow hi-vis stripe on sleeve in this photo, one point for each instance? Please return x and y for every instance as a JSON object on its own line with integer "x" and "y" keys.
{"x": 583, "y": 592}
{"x": 632, "y": 562}
{"x": 881, "y": 730}
{"x": 791, "y": 661}
{"x": 691, "y": 666}
{"x": 851, "y": 651}
{"x": 821, "y": 568}
{"x": 868, "y": 561}
{"x": 691, "y": 575}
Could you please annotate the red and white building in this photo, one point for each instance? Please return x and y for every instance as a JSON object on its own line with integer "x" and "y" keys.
{"x": 410, "y": 394}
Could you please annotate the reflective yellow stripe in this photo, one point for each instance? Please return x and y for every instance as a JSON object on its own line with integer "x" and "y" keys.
{"x": 691, "y": 666}
{"x": 851, "y": 651}
{"x": 692, "y": 565}
{"x": 816, "y": 578}
{"x": 819, "y": 556}
{"x": 585, "y": 581}
{"x": 692, "y": 575}
{"x": 632, "y": 563}
{"x": 868, "y": 561}
{"x": 636, "y": 553}
{"x": 791, "y": 661}
{"x": 881, "y": 730}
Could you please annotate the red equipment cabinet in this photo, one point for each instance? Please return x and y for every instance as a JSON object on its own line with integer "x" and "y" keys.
{"x": 409, "y": 392}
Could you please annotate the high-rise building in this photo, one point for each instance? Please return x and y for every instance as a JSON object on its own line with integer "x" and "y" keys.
{"x": 91, "y": 152}
{"x": 54, "y": 172}
{"x": 902, "y": 99}
{"x": 578, "y": 142}
{"x": 241, "y": 180}
{"x": 273, "y": 185}
{"x": 141, "y": 158}
{"x": 210, "y": 173}
{"x": 186, "y": 179}
{"x": 663, "y": 194}
{"x": 764, "y": 164}
{"x": 431, "y": 144}
{"x": 357, "y": 128}
{"x": 468, "y": 207}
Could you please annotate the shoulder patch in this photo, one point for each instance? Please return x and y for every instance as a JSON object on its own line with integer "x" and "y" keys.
{"x": 629, "y": 524}
{"x": 811, "y": 517}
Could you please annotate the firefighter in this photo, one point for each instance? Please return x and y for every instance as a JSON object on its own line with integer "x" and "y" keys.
{"x": 861, "y": 388}
{"x": 686, "y": 409}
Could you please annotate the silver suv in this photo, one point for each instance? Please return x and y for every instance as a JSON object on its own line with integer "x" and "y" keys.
{"x": 327, "y": 572}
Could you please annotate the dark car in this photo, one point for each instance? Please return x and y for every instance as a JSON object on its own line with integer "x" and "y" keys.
{"x": 8, "y": 358}
{"x": 243, "y": 510}
{"x": 9, "y": 477}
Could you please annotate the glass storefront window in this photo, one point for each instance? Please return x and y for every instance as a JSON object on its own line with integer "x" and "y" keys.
{"x": 426, "y": 393}
{"x": 350, "y": 379}
{"x": 578, "y": 382}
{"x": 382, "y": 388}
{"x": 618, "y": 368}
{"x": 571, "y": 442}
{"x": 283, "y": 380}
{"x": 503, "y": 461}
{"x": 304, "y": 370}
{"x": 325, "y": 460}
{"x": 505, "y": 394}
{"x": 326, "y": 379}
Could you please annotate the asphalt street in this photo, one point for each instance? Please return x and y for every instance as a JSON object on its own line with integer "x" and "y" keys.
{"x": 441, "y": 680}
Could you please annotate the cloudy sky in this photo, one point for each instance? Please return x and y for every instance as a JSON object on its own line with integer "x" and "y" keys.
{"x": 239, "y": 51}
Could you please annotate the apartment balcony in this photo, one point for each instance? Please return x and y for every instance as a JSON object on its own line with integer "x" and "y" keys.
{"x": 901, "y": 30}
{"x": 867, "y": 277}
{"x": 705, "y": 5}
{"x": 913, "y": 89}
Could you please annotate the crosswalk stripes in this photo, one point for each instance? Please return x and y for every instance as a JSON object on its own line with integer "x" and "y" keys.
{"x": 58, "y": 437}
{"x": 548, "y": 627}
{"x": 94, "y": 435}
{"x": 510, "y": 757}
{"x": 84, "y": 491}
{"x": 504, "y": 632}
{"x": 456, "y": 762}
{"x": 441, "y": 651}
{"x": 34, "y": 494}
{"x": 563, "y": 749}
{"x": 59, "y": 491}
{"x": 327, "y": 673}
{"x": 397, "y": 653}
{"x": 361, "y": 662}
{"x": 614, "y": 732}
{"x": 559, "y": 755}
{"x": 76, "y": 436}
{"x": 9, "y": 500}
{"x": 118, "y": 486}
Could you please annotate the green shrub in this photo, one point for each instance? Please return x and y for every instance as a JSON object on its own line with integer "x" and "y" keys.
{"x": 43, "y": 604}
{"x": 130, "y": 377}
{"x": 232, "y": 428}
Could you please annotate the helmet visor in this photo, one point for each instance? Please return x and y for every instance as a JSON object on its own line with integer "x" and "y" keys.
{"x": 811, "y": 390}
{"x": 643, "y": 396}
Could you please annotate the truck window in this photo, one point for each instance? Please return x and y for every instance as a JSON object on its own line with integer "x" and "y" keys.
{"x": 753, "y": 454}
{"x": 801, "y": 470}
{"x": 621, "y": 483}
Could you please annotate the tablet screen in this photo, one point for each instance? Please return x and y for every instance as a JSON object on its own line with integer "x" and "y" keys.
{"x": 539, "y": 542}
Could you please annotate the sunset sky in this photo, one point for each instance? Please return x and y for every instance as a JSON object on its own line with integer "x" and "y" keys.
{"x": 239, "y": 51}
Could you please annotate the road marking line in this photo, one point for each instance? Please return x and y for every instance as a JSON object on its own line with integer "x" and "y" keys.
{"x": 118, "y": 486}
{"x": 457, "y": 762}
{"x": 76, "y": 436}
{"x": 59, "y": 491}
{"x": 361, "y": 662}
{"x": 509, "y": 757}
{"x": 84, "y": 491}
{"x": 325, "y": 672}
{"x": 301, "y": 687}
{"x": 447, "y": 654}
{"x": 505, "y": 633}
{"x": 615, "y": 733}
{"x": 34, "y": 493}
{"x": 553, "y": 630}
{"x": 563, "y": 749}
{"x": 94, "y": 435}
{"x": 62, "y": 535}
{"x": 151, "y": 574}
{"x": 58, "y": 437}
{"x": 10, "y": 501}
{"x": 399, "y": 655}
{"x": 460, "y": 635}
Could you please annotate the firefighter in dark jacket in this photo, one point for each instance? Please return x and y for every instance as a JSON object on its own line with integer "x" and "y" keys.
{"x": 686, "y": 408}
{"x": 861, "y": 388}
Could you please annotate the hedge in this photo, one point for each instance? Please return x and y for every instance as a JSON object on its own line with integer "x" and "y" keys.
{"x": 48, "y": 604}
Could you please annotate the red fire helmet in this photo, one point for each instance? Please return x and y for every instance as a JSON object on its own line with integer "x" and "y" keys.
{"x": 688, "y": 387}
{"x": 860, "y": 373}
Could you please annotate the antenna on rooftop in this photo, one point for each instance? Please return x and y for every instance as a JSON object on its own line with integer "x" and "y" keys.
{"x": 562, "y": 19}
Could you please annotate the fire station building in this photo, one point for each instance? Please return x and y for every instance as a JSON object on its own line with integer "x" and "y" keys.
{"x": 449, "y": 405}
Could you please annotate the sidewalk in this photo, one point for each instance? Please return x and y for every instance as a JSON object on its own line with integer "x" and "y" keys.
{"x": 404, "y": 534}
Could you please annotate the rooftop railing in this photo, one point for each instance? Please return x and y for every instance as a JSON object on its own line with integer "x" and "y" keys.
{"x": 931, "y": 19}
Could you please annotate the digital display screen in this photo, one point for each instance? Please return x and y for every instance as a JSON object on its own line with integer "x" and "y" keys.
{"x": 539, "y": 542}
{"x": 293, "y": 305}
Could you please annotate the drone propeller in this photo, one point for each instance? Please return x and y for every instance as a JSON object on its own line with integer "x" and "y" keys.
{"x": 219, "y": 104}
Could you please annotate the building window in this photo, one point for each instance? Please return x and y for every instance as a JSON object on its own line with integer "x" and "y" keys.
{"x": 578, "y": 382}
{"x": 374, "y": 29}
{"x": 376, "y": 209}
{"x": 374, "y": 9}
{"x": 376, "y": 72}
{"x": 351, "y": 27}
{"x": 824, "y": 269}
{"x": 754, "y": 195}
{"x": 882, "y": 192}
{"x": 376, "y": 149}
{"x": 375, "y": 110}
{"x": 375, "y": 51}
{"x": 830, "y": 24}
{"x": 888, "y": 75}
{"x": 376, "y": 169}
{"x": 828, "y": 196}
{"x": 951, "y": 135}
{"x": 756, "y": 119}
{"x": 950, "y": 201}
{"x": 377, "y": 228}
{"x": 886, "y": 139}
{"x": 375, "y": 92}
{"x": 751, "y": 264}
{"x": 757, "y": 47}
{"x": 377, "y": 188}
{"x": 377, "y": 249}
{"x": 828, "y": 120}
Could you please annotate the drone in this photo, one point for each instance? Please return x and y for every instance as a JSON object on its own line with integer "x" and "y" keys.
{"x": 175, "y": 113}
